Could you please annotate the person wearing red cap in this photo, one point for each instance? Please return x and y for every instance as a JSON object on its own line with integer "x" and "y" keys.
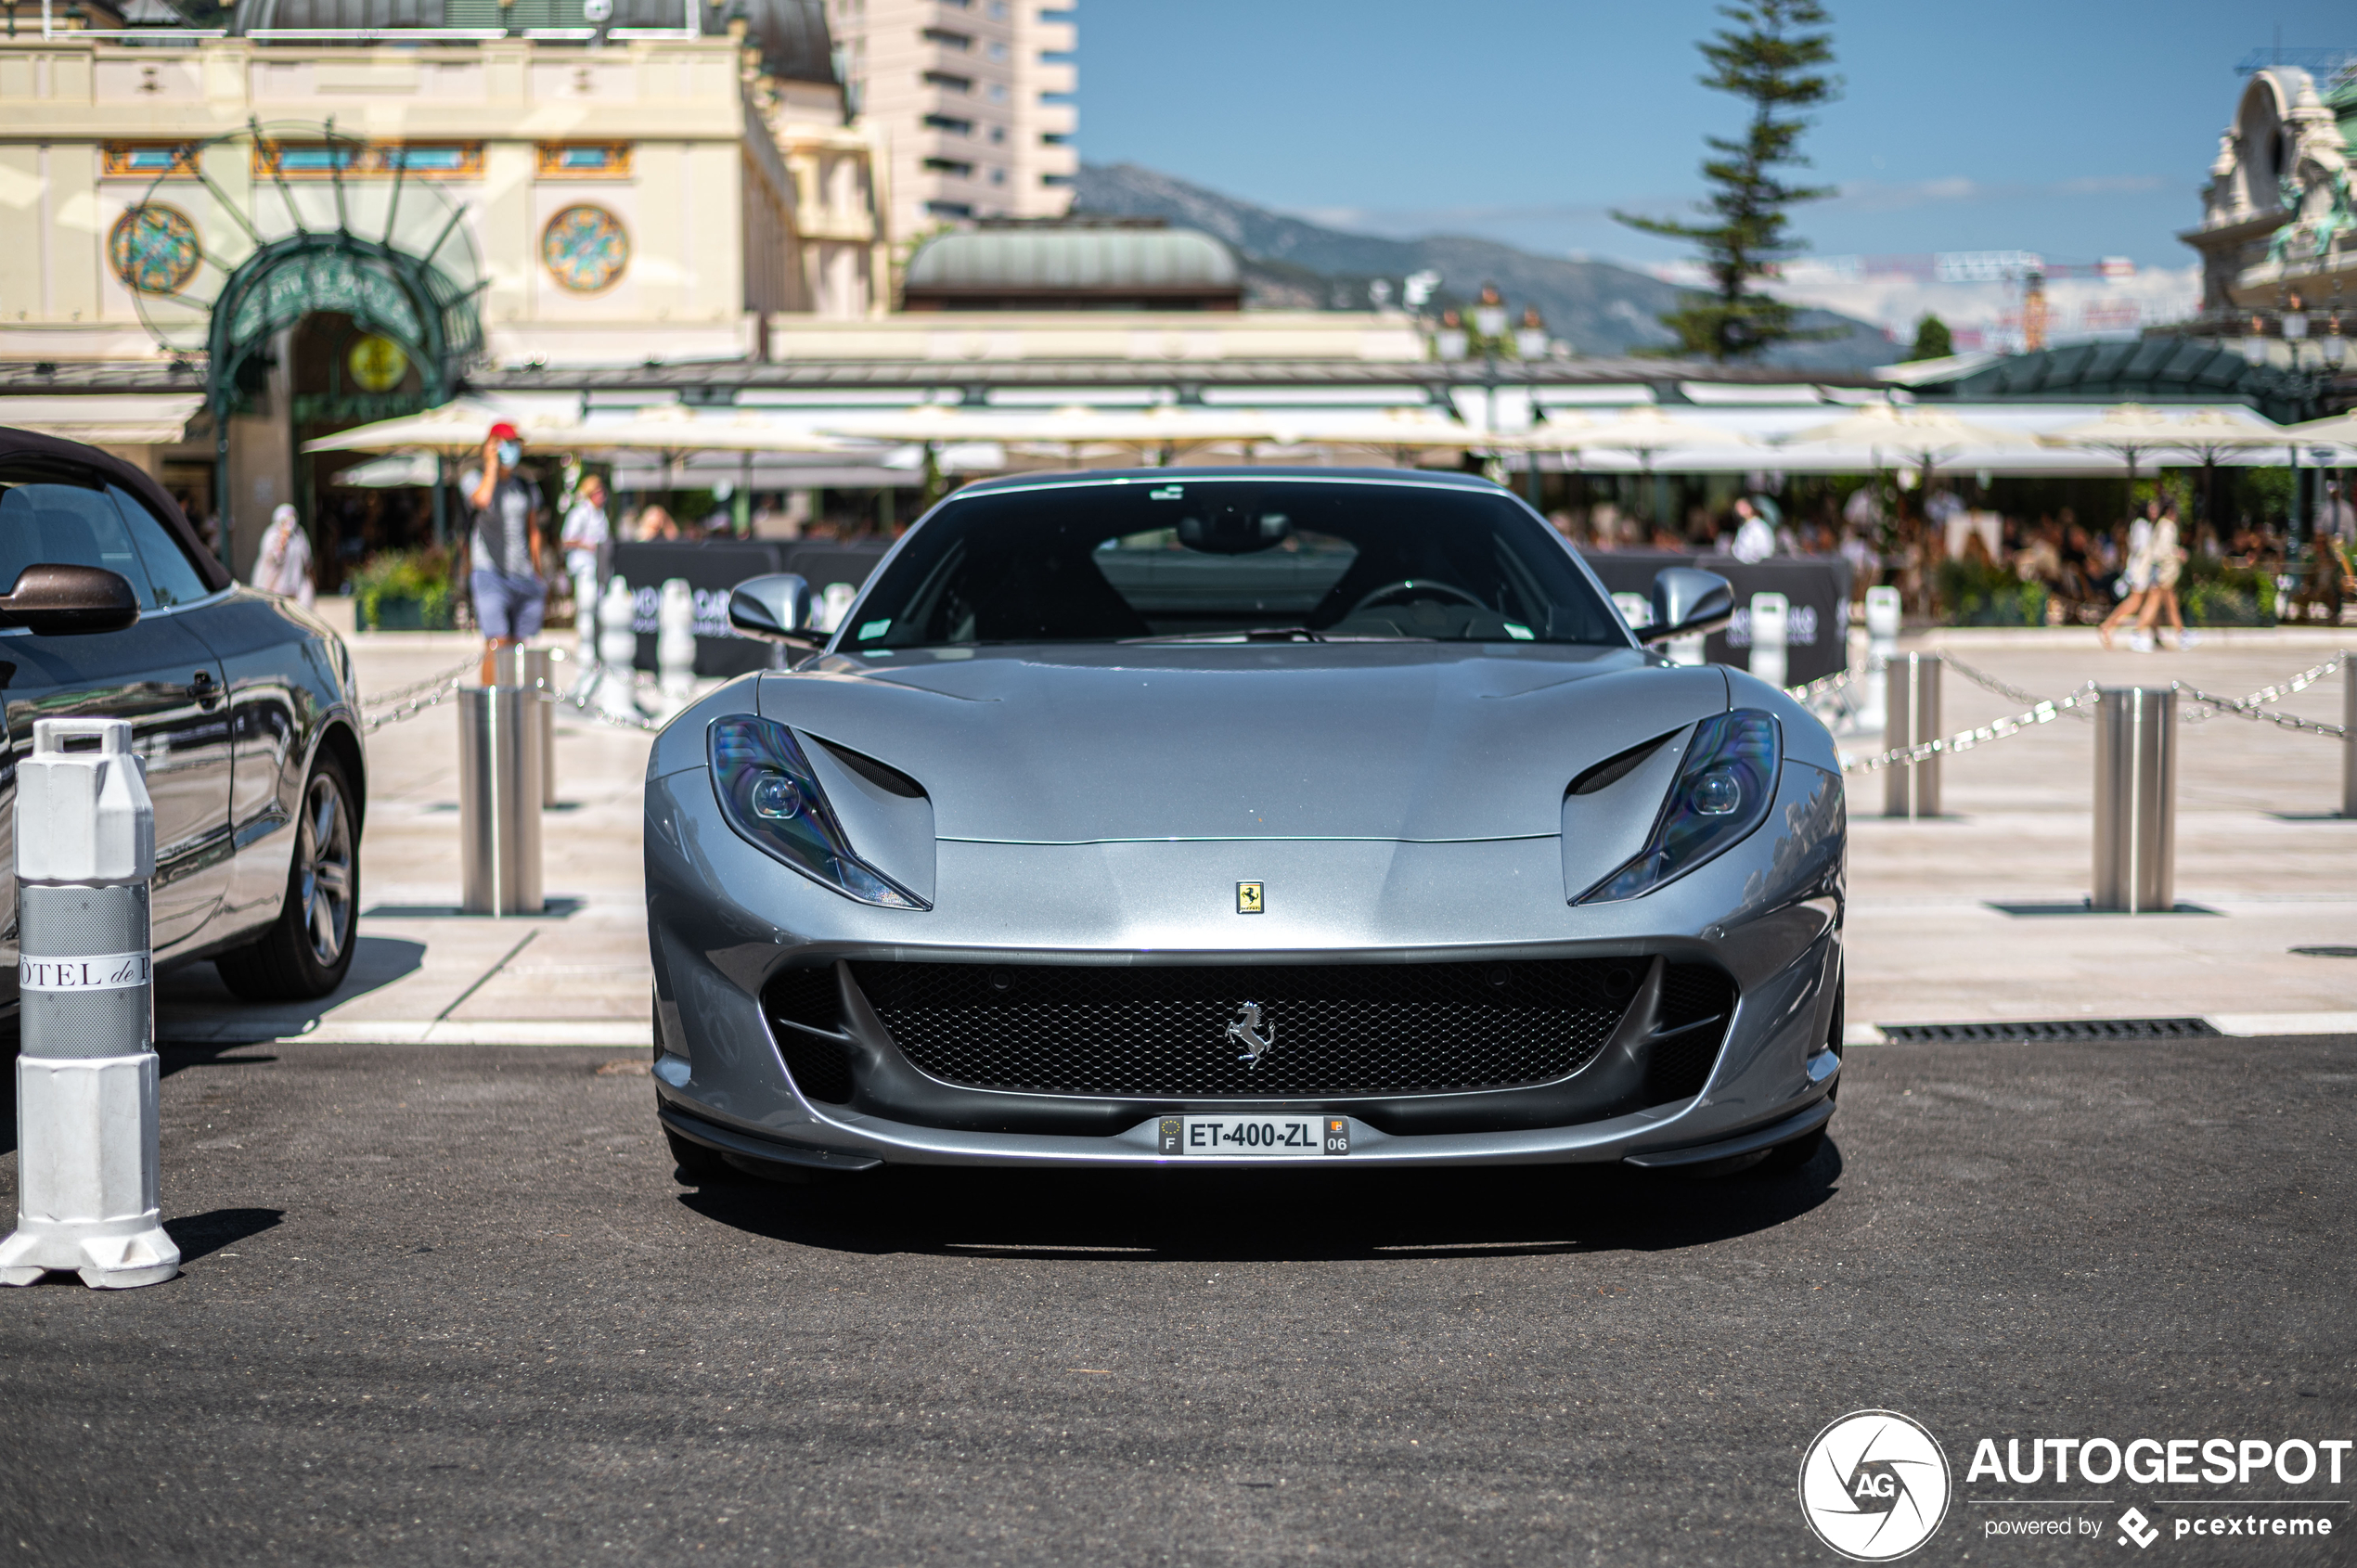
{"x": 503, "y": 546}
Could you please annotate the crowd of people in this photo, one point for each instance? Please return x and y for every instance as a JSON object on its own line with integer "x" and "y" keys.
{"x": 2121, "y": 575}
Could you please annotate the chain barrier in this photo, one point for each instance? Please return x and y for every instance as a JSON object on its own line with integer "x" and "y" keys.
{"x": 2044, "y": 712}
{"x": 411, "y": 708}
{"x": 2253, "y": 707}
{"x": 384, "y": 699}
{"x": 2079, "y": 704}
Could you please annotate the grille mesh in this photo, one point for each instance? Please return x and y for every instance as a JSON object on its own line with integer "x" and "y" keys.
{"x": 1341, "y": 1029}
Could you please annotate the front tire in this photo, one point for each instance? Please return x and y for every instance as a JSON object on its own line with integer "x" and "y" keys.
{"x": 307, "y": 951}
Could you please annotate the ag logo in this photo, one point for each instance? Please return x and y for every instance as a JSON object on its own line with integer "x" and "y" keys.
{"x": 1874, "y": 1486}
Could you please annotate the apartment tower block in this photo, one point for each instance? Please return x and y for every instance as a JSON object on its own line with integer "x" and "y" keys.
{"x": 974, "y": 98}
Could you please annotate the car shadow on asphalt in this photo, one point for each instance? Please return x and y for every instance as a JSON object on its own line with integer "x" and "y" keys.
{"x": 194, "y": 1008}
{"x": 1265, "y": 1216}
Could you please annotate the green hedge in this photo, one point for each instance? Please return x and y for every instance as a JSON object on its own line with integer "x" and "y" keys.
{"x": 403, "y": 591}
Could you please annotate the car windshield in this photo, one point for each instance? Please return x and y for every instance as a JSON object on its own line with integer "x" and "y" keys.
{"x": 1231, "y": 560}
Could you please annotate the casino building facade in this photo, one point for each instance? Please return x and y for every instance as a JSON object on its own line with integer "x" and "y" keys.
{"x": 223, "y": 243}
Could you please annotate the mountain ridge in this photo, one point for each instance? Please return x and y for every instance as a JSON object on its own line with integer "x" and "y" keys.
{"x": 1290, "y": 262}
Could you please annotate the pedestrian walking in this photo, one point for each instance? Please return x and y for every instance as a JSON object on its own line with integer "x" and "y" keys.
{"x": 1754, "y": 535}
{"x": 283, "y": 564}
{"x": 2137, "y": 578}
{"x": 2167, "y": 562}
{"x": 503, "y": 547}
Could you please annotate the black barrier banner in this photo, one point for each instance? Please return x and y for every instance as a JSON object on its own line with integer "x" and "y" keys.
{"x": 1817, "y": 634}
{"x": 712, "y": 569}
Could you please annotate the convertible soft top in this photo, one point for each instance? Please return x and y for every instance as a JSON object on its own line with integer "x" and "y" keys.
{"x": 28, "y": 445}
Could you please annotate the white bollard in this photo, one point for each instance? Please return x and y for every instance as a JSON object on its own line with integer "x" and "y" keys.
{"x": 1635, "y": 609}
{"x": 585, "y": 618}
{"x": 1770, "y": 625}
{"x": 675, "y": 644}
{"x": 617, "y": 651}
{"x": 1882, "y": 647}
{"x": 87, "y": 1192}
{"x": 834, "y": 605}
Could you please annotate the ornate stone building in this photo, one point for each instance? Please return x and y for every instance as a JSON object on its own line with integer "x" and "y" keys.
{"x": 2278, "y": 235}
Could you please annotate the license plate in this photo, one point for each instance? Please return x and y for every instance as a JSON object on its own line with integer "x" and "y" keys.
{"x": 1264, "y": 1138}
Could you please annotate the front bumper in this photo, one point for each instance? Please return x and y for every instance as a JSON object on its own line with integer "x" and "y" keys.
{"x": 724, "y": 919}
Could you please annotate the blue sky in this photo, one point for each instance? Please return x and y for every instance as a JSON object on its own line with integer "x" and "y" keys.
{"x": 2072, "y": 128}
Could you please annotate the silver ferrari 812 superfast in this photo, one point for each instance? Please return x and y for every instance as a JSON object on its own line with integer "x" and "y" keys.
{"x": 1231, "y": 816}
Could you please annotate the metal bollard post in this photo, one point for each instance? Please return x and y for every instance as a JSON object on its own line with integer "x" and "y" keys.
{"x": 2136, "y": 800}
{"x": 534, "y": 671}
{"x": 498, "y": 801}
{"x": 89, "y": 1198}
{"x": 2348, "y": 726}
{"x": 617, "y": 651}
{"x": 1770, "y": 624}
{"x": 1911, "y": 789}
{"x": 1882, "y": 647}
{"x": 676, "y": 643}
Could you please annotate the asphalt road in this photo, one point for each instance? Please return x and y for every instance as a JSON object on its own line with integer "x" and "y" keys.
{"x": 449, "y": 1306}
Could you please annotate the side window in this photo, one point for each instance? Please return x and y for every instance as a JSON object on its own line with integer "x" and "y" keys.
{"x": 68, "y": 526}
{"x": 169, "y": 571}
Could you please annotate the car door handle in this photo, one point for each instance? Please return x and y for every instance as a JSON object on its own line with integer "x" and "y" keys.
{"x": 204, "y": 688}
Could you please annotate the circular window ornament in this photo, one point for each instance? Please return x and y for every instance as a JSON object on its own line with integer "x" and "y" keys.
{"x": 585, "y": 249}
{"x": 153, "y": 249}
{"x": 377, "y": 362}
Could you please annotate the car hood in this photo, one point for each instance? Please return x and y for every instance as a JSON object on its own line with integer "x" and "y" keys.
{"x": 1408, "y": 740}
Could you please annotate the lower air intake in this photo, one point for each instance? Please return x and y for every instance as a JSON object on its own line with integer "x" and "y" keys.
{"x": 1181, "y": 1031}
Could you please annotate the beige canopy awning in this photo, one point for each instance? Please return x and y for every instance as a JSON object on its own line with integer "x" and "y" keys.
{"x": 106, "y": 418}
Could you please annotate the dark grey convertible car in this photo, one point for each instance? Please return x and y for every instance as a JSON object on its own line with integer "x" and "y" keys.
{"x": 241, "y": 706}
{"x": 1195, "y": 816}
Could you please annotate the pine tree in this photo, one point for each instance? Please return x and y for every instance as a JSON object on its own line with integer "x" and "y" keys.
{"x": 1933, "y": 341}
{"x": 1770, "y": 58}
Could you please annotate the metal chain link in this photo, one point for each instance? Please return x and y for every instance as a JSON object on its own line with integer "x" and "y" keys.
{"x": 2039, "y": 712}
{"x": 385, "y": 698}
{"x": 2253, "y": 706}
{"x": 410, "y": 709}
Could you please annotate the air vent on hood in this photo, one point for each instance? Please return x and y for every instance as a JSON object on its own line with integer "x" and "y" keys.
{"x": 1611, "y": 770}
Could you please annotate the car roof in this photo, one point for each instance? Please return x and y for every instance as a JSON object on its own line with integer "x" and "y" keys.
{"x": 1404, "y": 478}
{"x": 18, "y": 446}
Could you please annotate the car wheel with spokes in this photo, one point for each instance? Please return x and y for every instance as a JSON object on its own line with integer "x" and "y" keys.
{"x": 307, "y": 951}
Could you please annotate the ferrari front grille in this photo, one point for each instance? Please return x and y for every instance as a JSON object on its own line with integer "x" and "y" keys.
{"x": 1317, "y": 1031}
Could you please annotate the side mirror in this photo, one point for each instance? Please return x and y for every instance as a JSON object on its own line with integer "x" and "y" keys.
{"x": 1686, "y": 600}
{"x": 56, "y": 599}
{"x": 776, "y": 608}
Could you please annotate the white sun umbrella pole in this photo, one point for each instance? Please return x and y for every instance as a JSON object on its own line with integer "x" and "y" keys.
{"x": 2210, "y": 435}
{"x": 2130, "y": 431}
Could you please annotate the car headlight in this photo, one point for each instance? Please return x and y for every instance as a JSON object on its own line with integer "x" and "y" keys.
{"x": 1722, "y": 792}
{"x": 771, "y": 797}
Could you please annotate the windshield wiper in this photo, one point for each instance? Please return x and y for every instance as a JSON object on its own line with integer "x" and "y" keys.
{"x": 1250, "y": 633}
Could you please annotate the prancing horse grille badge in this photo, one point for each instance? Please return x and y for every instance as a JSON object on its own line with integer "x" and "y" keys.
{"x": 1248, "y": 898}
{"x": 1244, "y": 1031}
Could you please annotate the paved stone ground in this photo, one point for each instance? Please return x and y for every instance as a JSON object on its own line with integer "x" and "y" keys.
{"x": 447, "y": 1306}
{"x": 2258, "y": 842}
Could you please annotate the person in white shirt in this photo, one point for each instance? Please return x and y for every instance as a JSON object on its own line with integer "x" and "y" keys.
{"x": 284, "y": 564}
{"x": 586, "y": 531}
{"x": 1754, "y": 535}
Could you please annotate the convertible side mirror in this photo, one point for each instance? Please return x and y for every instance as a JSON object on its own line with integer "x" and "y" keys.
{"x": 1685, "y": 602}
{"x": 54, "y": 600}
{"x": 776, "y": 608}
